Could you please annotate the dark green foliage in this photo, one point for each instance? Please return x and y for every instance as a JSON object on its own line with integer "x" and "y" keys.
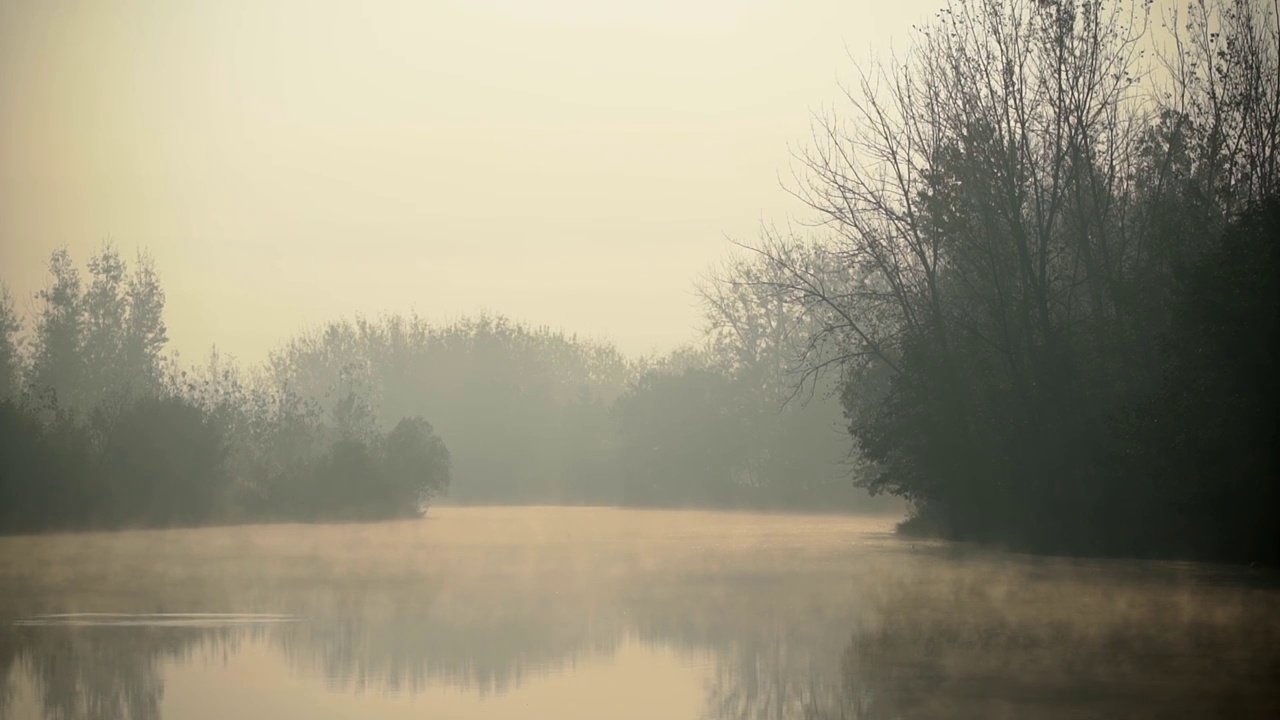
{"x": 682, "y": 440}
{"x": 1209, "y": 441}
{"x": 415, "y": 464}
{"x": 162, "y": 463}
{"x": 1180, "y": 465}
{"x": 339, "y": 485}
{"x": 532, "y": 415}
{"x": 56, "y": 367}
{"x": 1056, "y": 324}
{"x": 525, "y": 410}
{"x": 43, "y": 471}
{"x": 10, "y": 355}
{"x": 97, "y": 436}
{"x": 354, "y": 480}
{"x": 159, "y": 462}
{"x": 702, "y": 436}
{"x": 166, "y": 462}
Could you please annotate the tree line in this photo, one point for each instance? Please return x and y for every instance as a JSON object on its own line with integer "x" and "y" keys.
{"x": 1039, "y": 298}
{"x": 1045, "y": 269}
{"x": 99, "y": 427}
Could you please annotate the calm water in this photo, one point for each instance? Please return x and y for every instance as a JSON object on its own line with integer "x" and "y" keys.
{"x": 602, "y": 613}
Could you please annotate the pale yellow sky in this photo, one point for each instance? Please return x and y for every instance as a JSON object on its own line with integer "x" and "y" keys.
{"x": 565, "y": 162}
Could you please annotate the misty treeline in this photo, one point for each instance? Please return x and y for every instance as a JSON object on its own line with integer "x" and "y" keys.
{"x": 1045, "y": 267}
{"x": 350, "y": 420}
{"x": 98, "y": 428}
{"x": 533, "y": 415}
{"x": 1040, "y": 296}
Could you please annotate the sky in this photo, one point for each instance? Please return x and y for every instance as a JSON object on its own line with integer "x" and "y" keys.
{"x": 571, "y": 163}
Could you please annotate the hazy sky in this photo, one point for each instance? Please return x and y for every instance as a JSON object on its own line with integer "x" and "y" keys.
{"x": 566, "y": 162}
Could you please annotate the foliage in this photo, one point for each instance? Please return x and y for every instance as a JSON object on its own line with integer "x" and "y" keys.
{"x": 416, "y": 463}
{"x": 161, "y": 462}
{"x": 522, "y": 407}
{"x": 43, "y": 471}
{"x": 682, "y": 440}
{"x": 1211, "y": 452}
{"x": 10, "y": 350}
{"x": 103, "y": 432}
{"x": 1008, "y": 215}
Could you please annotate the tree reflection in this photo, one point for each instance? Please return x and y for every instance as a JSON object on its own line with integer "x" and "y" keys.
{"x": 970, "y": 637}
{"x": 106, "y": 672}
{"x": 790, "y": 631}
{"x": 1062, "y": 639}
{"x": 776, "y": 681}
{"x": 8, "y": 661}
{"x": 407, "y": 637}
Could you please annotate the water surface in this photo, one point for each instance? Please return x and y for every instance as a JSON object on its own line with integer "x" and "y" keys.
{"x": 590, "y": 613}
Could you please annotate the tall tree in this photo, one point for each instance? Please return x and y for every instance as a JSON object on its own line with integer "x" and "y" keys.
{"x": 105, "y": 308}
{"x": 57, "y": 364}
{"x": 145, "y": 331}
{"x": 10, "y": 351}
{"x": 1005, "y": 213}
{"x": 787, "y": 404}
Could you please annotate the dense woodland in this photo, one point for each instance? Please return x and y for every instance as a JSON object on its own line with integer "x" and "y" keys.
{"x": 1038, "y": 301}
{"x": 1046, "y": 267}
{"x": 374, "y": 418}
{"x": 99, "y": 429}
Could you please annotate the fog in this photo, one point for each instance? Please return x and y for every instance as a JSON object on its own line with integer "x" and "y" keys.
{"x": 567, "y": 359}
{"x": 560, "y": 162}
{"x": 583, "y": 612}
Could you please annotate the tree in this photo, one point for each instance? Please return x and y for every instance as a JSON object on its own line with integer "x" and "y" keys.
{"x": 45, "y": 464}
{"x": 94, "y": 349}
{"x": 122, "y": 440}
{"x": 477, "y": 379}
{"x": 1004, "y": 216}
{"x": 681, "y": 440}
{"x": 789, "y": 404}
{"x": 57, "y": 362}
{"x": 145, "y": 333}
{"x": 753, "y": 331}
{"x": 104, "y": 314}
{"x": 10, "y": 350}
{"x": 416, "y": 465}
{"x": 163, "y": 463}
{"x": 1212, "y": 453}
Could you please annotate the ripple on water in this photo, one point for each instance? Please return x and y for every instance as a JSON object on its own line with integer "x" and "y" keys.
{"x": 154, "y": 619}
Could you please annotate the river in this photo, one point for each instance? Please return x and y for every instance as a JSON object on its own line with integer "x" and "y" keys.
{"x": 609, "y": 613}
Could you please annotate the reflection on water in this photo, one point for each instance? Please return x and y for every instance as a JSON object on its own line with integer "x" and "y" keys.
{"x": 551, "y": 612}
{"x": 108, "y": 672}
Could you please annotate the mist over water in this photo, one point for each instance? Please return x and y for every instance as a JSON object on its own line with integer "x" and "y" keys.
{"x": 610, "y": 359}
{"x": 592, "y": 612}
